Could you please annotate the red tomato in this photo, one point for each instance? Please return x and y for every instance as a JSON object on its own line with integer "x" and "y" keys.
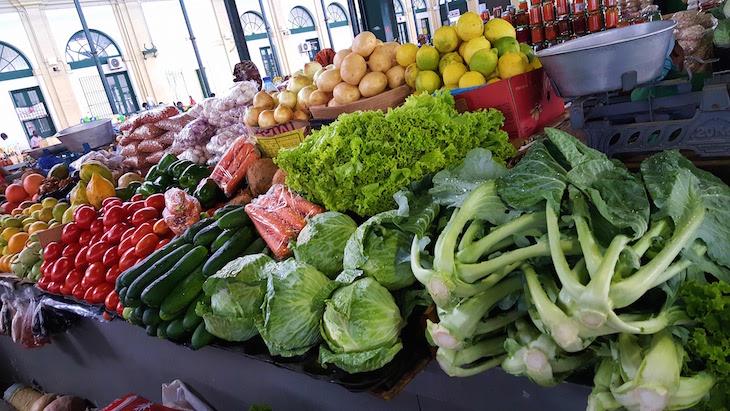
{"x": 146, "y": 245}
{"x": 156, "y": 201}
{"x": 110, "y": 200}
{"x": 109, "y": 204}
{"x": 97, "y": 226}
{"x": 54, "y": 287}
{"x": 71, "y": 250}
{"x": 60, "y": 269}
{"x": 74, "y": 277}
{"x": 129, "y": 259}
{"x": 100, "y": 293}
{"x": 112, "y": 274}
{"x": 105, "y": 237}
{"x": 96, "y": 252}
{"x": 70, "y": 233}
{"x": 144, "y": 214}
{"x": 43, "y": 282}
{"x": 116, "y": 232}
{"x": 162, "y": 243}
{"x": 52, "y": 251}
{"x": 125, "y": 245}
{"x": 137, "y": 197}
{"x": 120, "y": 308}
{"x": 84, "y": 216}
{"x": 128, "y": 233}
{"x": 46, "y": 268}
{"x": 65, "y": 290}
{"x": 114, "y": 215}
{"x": 88, "y": 294}
{"x": 80, "y": 262}
{"x": 95, "y": 274}
{"x": 85, "y": 238}
{"x": 111, "y": 256}
{"x": 95, "y": 239}
{"x": 78, "y": 291}
{"x": 132, "y": 207}
{"x": 161, "y": 229}
{"x": 111, "y": 301}
{"x": 141, "y": 231}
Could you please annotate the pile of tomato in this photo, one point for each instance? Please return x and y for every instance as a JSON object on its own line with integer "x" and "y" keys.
{"x": 99, "y": 245}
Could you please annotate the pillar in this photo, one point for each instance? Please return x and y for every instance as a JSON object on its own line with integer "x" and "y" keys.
{"x": 226, "y": 35}
{"x": 321, "y": 24}
{"x": 276, "y": 22}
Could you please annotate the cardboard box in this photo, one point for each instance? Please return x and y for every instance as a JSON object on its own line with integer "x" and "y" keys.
{"x": 50, "y": 235}
{"x": 527, "y": 101}
{"x": 288, "y": 135}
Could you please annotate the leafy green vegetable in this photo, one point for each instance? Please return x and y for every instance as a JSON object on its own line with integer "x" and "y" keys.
{"x": 361, "y": 160}
{"x": 360, "y": 326}
{"x": 721, "y": 37}
{"x": 321, "y": 243}
{"x": 453, "y": 185}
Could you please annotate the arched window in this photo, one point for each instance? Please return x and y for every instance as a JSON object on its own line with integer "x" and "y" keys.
{"x": 300, "y": 20}
{"x": 420, "y": 5}
{"x": 78, "y": 52}
{"x": 336, "y": 15}
{"x": 398, "y": 6}
{"x": 13, "y": 63}
{"x": 253, "y": 24}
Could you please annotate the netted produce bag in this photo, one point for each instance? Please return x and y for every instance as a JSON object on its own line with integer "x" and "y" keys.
{"x": 694, "y": 34}
{"x": 231, "y": 169}
{"x": 181, "y": 210}
{"x": 230, "y": 107}
{"x": 113, "y": 161}
{"x": 195, "y": 133}
{"x": 175, "y": 123}
{"x": 223, "y": 140}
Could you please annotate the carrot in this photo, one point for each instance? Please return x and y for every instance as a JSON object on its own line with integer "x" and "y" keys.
{"x": 227, "y": 159}
{"x": 231, "y": 185}
{"x": 270, "y": 220}
{"x": 297, "y": 203}
{"x": 279, "y": 245}
{"x": 284, "y": 213}
{"x": 241, "y": 155}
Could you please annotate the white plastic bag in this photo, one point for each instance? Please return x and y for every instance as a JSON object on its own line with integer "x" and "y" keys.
{"x": 177, "y": 395}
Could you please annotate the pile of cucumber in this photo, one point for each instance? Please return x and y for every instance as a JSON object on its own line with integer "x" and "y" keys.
{"x": 162, "y": 291}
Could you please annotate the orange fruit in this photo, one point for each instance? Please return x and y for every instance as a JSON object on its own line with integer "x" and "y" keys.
{"x": 17, "y": 242}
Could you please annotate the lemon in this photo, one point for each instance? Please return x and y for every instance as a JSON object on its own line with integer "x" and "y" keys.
{"x": 37, "y": 226}
{"x": 498, "y": 28}
{"x": 445, "y": 39}
{"x": 493, "y": 80}
{"x": 483, "y": 61}
{"x": 507, "y": 45}
{"x": 405, "y": 55}
{"x": 428, "y": 81}
{"x": 46, "y": 214}
{"x": 529, "y": 52}
{"x": 471, "y": 79}
{"x": 469, "y": 26}
{"x": 510, "y": 65}
{"x": 449, "y": 58}
{"x": 35, "y": 207}
{"x": 453, "y": 72}
{"x": 536, "y": 63}
{"x": 49, "y": 202}
{"x": 8, "y": 232}
{"x": 473, "y": 45}
{"x": 524, "y": 57}
{"x": 462, "y": 47}
{"x": 411, "y": 74}
{"x": 427, "y": 58}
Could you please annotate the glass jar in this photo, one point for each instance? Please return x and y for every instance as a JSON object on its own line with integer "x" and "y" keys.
{"x": 537, "y": 34}
{"x": 580, "y": 24}
{"x": 548, "y": 12}
{"x": 521, "y": 19}
{"x": 593, "y": 5}
{"x": 611, "y": 18}
{"x": 535, "y": 3}
{"x": 535, "y": 17}
{"x": 497, "y": 12}
{"x": 595, "y": 22}
{"x": 523, "y": 6}
{"x": 562, "y": 8}
{"x": 551, "y": 31}
{"x": 563, "y": 26}
{"x": 523, "y": 35}
{"x": 579, "y": 7}
{"x": 610, "y": 3}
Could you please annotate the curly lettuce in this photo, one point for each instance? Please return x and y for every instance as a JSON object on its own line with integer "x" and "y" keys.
{"x": 361, "y": 160}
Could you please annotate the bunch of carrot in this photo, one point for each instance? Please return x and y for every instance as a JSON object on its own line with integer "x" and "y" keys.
{"x": 279, "y": 216}
{"x": 233, "y": 166}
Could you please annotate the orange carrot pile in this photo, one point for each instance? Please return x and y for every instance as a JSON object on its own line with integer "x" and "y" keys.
{"x": 232, "y": 168}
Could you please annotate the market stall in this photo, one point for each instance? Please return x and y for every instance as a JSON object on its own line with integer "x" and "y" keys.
{"x": 402, "y": 205}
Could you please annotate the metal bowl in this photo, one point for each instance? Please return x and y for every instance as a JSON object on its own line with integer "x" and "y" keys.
{"x": 616, "y": 59}
{"x": 87, "y": 136}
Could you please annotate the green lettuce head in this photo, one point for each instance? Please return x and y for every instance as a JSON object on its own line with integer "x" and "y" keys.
{"x": 236, "y": 294}
{"x": 381, "y": 250}
{"x": 292, "y": 308}
{"x": 361, "y": 325}
{"x": 321, "y": 243}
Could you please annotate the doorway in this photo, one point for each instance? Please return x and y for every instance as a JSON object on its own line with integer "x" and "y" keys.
{"x": 268, "y": 58}
{"x": 32, "y": 112}
{"x": 123, "y": 93}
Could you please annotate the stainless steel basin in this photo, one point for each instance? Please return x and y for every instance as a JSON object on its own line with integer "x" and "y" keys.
{"x": 87, "y": 136}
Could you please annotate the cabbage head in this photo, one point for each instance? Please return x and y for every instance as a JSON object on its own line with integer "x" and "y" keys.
{"x": 292, "y": 308}
{"x": 321, "y": 243}
{"x": 722, "y": 34}
{"x": 360, "y": 325}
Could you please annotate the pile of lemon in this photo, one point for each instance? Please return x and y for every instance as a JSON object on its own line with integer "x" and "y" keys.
{"x": 470, "y": 54}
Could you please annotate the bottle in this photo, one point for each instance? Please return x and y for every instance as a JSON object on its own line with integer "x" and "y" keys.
{"x": 268, "y": 85}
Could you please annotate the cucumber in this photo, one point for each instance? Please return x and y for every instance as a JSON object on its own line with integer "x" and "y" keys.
{"x": 183, "y": 294}
{"x": 175, "y": 329}
{"x": 162, "y": 329}
{"x": 151, "y": 316}
{"x": 201, "y": 337}
{"x": 126, "y": 278}
{"x": 169, "y": 317}
{"x": 195, "y": 229}
{"x": 225, "y": 210}
{"x": 256, "y": 247}
{"x": 234, "y": 219}
{"x": 207, "y": 235}
{"x": 156, "y": 292}
{"x": 127, "y": 313}
{"x": 151, "y": 330}
{"x": 221, "y": 239}
{"x": 131, "y": 302}
{"x": 136, "y": 316}
{"x": 191, "y": 319}
{"x": 155, "y": 271}
{"x": 122, "y": 295}
{"x": 235, "y": 246}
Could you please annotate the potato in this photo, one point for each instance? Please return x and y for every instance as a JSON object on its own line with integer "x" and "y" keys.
{"x": 319, "y": 97}
{"x": 328, "y": 80}
{"x": 346, "y": 93}
{"x": 378, "y": 42}
{"x": 396, "y": 76}
{"x": 373, "y": 84}
{"x": 364, "y": 43}
{"x": 392, "y": 48}
{"x": 333, "y": 103}
{"x": 353, "y": 69}
{"x": 380, "y": 59}
{"x": 340, "y": 56}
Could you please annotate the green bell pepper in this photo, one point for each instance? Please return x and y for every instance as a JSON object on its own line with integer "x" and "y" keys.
{"x": 125, "y": 193}
{"x": 208, "y": 193}
{"x": 193, "y": 175}
{"x": 134, "y": 186}
{"x": 165, "y": 162}
{"x": 177, "y": 168}
{"x": 148, "y": 188}
{"x": 152, "y": 174}
{"x": 164, "y": 181}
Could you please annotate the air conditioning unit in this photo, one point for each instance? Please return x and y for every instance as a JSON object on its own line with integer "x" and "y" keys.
{"x": 115, "y": 63}
{"x": 305, "y": 47}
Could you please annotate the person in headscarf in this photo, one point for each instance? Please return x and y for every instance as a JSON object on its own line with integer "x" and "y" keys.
{"x": 245, "y": 71}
